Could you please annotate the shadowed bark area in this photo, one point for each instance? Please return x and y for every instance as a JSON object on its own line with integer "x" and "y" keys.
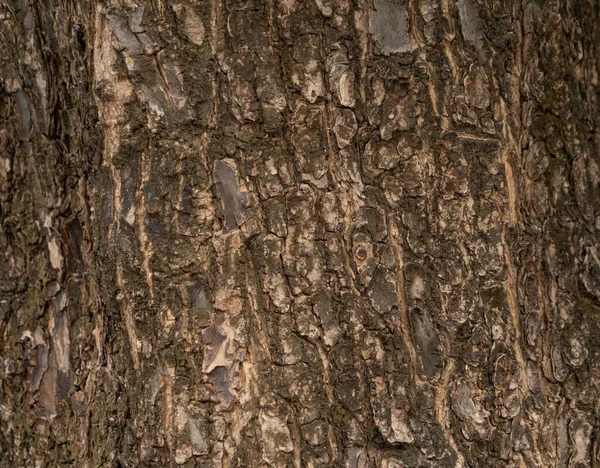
{"x": 321, "y": 233}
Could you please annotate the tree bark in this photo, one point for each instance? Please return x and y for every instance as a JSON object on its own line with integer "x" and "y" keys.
{"x": 299, "y": 233}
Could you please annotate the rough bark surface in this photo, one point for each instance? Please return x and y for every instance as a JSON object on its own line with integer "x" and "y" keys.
{"x": 299, "y": 233}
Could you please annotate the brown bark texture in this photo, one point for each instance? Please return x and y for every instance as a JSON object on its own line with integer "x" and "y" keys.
{"x": 299, "y": 233}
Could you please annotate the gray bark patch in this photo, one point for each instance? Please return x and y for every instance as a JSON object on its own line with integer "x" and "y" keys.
{"x": 389, "y": 25}
{"x": 470, "y": 22}
{"x": 235, "y": 203}
{"x": 429, "y": 358}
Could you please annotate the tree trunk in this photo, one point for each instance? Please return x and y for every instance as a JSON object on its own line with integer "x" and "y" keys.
{"x": 300, "y": 233}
